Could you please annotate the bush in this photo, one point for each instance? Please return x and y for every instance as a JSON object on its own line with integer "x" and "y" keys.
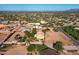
{"x": 71, "y": 31}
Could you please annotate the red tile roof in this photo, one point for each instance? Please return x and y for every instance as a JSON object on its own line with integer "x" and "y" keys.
{"x": 49, "y": 52}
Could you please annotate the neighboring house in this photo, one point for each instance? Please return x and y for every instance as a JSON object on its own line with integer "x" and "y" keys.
{"x": 33, "y": 25}
{"x": 43, "y": 22}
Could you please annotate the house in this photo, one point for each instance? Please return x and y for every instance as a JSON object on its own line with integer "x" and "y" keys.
{"x": 43, "y": 22}
{"x": 39, "y": 35}
{"x": 33, "y": 25}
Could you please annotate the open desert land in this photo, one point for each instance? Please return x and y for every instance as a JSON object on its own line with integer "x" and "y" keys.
{"x": 52, "y": 36}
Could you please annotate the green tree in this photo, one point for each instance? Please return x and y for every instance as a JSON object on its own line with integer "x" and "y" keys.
{"x": 22, "y": 39}
{"x": 41, "y": 47}
{"x": 31, "y": 47}
{"x": 72, "y": 31}
{"x": 33, "y": 32}
{"x": 27, "y": 33}
{"x": 58, "y": 46}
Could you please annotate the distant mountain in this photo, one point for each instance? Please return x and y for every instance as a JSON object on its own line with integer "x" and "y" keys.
{"x": 69, "y": 10}
{"x": 73, "y": 10}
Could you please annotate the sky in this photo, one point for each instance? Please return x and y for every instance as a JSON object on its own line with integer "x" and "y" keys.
{"x": 37, "y": 7}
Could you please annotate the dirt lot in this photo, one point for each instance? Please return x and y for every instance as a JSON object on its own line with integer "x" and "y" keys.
{"x": 52, "y": 37}
{"x": 17, "y": 50}
{"x": 3, "y": 36}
